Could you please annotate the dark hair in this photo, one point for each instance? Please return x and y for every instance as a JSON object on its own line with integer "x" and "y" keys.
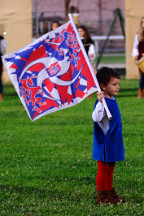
{"x": 86, "y": 31}
{"x": 104, "y": 74}
{"x": 1, "y": 37}
{"x": 55, "y": 21}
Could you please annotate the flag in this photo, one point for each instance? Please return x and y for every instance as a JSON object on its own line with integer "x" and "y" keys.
{"x": 51, "y": 73}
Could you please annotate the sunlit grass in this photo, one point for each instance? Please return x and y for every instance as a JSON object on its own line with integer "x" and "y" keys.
{"x": 46, "y": 166}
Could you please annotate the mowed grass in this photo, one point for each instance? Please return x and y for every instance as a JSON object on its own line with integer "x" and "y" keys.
{"x": 46, "y": 166}
{"x": 113, "y": 59}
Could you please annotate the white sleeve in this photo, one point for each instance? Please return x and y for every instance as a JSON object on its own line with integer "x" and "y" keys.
{"x": 91, "y": 51}
{"x": 135, "y": 47}
{"x": 99, "y": 112}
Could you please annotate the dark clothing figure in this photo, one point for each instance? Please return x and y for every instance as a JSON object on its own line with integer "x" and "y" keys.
{"x": 2, "y": 52}
{"x": 140, "y": 49}
{"x": 87, "y": 44}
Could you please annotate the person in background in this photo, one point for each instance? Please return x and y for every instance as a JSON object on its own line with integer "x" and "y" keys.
{"x": 55, "y": 25}
{"x": 87, "y": 41}
{"x": 88, "y": 45}
{"x": 3, "y": 45}
{"x": 108, "y": 146}
{"x": 138, "y": 53}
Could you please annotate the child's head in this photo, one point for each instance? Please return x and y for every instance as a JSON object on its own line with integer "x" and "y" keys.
{"x": 83, "y": 32}
{"x": 55, "y": 25}
{"x": 109, "y": 80}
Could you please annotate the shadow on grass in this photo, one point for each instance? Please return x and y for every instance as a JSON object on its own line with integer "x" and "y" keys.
{"x": 9, "y": 90}
{"x": 128, "y": 89}
{"x": 49, "y": 193}
{"x": 128, "y": 95}
{"x": 11, "y": 94}
{"x": 128, "y": 92}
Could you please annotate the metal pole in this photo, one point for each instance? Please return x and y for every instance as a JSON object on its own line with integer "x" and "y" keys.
{"x": 100, "y": 17}
{"x": 77, "y": 6}
{"x": 104, "y": 46}
{"x": 36, "y": 18}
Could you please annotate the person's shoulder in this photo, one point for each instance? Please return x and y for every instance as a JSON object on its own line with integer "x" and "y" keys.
{"x": 90, "y": 41}
{"x": 111, "y": 100}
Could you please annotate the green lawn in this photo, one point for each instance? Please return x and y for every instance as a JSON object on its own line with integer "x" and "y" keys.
{"x": 46, "y": 167}
{"x": 115, "y": 59}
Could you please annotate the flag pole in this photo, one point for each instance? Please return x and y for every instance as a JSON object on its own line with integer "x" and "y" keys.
{"x": 90, "y": 66}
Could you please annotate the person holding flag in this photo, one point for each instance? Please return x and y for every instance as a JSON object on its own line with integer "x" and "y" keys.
{"x": 53, "y": 72}
{"x": 108, "y": 146}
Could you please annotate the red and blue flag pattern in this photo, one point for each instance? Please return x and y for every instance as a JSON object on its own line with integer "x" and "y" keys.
{"x": 51, "y": 73}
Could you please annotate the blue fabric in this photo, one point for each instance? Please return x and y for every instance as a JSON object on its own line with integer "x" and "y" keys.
{"x": 109, "y": 147}
{"x": 141, "y": 81}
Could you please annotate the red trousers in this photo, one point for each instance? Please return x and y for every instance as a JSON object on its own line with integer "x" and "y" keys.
{"x": 104, "y": 178}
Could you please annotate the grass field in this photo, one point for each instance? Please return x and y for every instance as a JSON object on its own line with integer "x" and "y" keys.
{"x": 46, "y": 167}
{"x": 112, "y": 59}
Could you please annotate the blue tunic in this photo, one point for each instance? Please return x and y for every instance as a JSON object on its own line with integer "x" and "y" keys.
{"x": 109, "y": 147}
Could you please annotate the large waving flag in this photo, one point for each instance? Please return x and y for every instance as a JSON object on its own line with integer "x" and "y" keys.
{"x": 51, "y": 73}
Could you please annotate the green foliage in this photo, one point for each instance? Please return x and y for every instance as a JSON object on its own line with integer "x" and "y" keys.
{"x": 46, "y": 166}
